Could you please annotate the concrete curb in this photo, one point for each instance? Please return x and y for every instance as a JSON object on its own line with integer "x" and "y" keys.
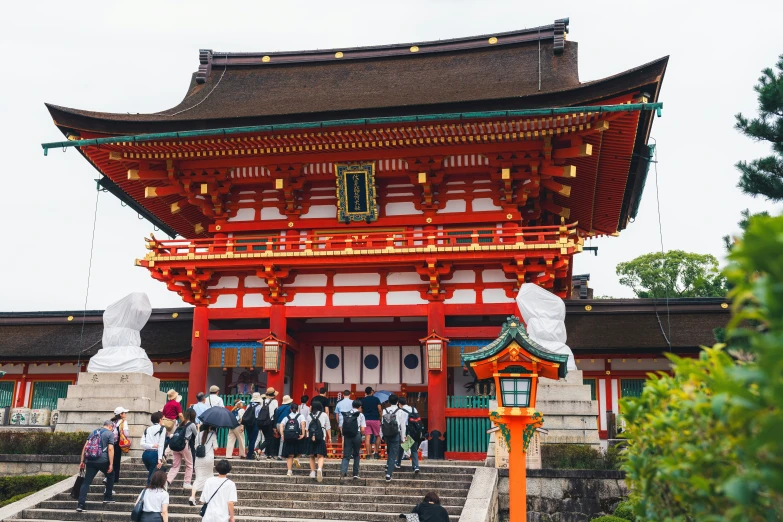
{"x": 482, "y": 502}
{"x": 11, "y": 510}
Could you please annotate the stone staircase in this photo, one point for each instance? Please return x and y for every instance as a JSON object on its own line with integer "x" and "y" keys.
{"x": 266, "y": 493}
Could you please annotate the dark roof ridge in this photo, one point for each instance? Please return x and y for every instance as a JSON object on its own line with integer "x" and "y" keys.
{"x": 209, "y": 58}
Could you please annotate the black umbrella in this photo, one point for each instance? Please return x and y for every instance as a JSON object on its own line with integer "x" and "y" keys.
{"x": 219, "y": 417}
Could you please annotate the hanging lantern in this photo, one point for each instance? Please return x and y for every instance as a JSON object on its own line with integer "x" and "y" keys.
{"x": 272, "y": 351}
{"x": 435, "y": 345}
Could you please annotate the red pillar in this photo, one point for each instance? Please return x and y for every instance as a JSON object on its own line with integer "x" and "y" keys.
{"x": 437, "y": 386}
{"x": 199, "y": 356}
{"x": 277, "y": 326}
{"x": 304, "y": 372}
{"x": 22, "y": 384}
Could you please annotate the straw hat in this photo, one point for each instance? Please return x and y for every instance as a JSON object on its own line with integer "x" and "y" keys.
{"x": 213, "y": 389}
{"x": 256, "y": 397}
{"x": 287, "y": 399}
{"x": 270, "y": 392}
{"x": 171, "y": 394}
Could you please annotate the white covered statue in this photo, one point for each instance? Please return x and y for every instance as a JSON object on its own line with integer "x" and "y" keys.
{"x": 122, "y": 324}
{"x": 544, "y": 314}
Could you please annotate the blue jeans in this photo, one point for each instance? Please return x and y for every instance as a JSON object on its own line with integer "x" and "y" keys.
{"x": 252, "y": 435}
{"x": 414, "y": 455}
{"x": 393, "y": 450}
{"x": 90, "y": 470}
{"x": 150, "y": 460}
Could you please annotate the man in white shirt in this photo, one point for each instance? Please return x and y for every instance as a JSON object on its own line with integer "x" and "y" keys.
{"x": 403, "y": 404}
{"x": 214, "y": 399}
{"x": 393, "y": 442}
{"x": 221, "y": 494}
{"x": 352, "y": 425}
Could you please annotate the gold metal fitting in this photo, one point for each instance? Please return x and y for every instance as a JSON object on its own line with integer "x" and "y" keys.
{"x": 266, "y": 59}
{"x": 338, "y": 54}
{"x": 588, "y": 307}
{"x": 415, "y": 49}
{"x": 492, "y": 41}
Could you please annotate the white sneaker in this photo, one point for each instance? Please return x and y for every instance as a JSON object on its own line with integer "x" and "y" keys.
{"x": 312, "y": 474}
{"x": 290, "y": 473}
{"x": 186, "y": 486}
{"x": 319, "y": 475}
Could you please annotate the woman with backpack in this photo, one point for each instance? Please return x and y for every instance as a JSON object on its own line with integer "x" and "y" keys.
{"x": 318, "y": 427}
{"x": 294, "y": 430}
{"x": 155, "y": 499}
{"x": 154, "y": 443}
{"x": 205, "y": 459}
{"x": 121, "y": 438}
{"x": 180, "y": 444}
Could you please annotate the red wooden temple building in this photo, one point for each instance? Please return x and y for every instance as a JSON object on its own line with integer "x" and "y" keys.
{"x": 350, "y": 202}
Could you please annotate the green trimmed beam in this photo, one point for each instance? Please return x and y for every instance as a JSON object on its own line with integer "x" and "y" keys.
{"x": 226, "y": 131}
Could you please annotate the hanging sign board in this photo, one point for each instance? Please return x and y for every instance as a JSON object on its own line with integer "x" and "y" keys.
{"x": 356, "y": 192}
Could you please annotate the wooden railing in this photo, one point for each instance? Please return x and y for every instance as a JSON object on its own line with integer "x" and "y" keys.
{"x": 380, "y": 242}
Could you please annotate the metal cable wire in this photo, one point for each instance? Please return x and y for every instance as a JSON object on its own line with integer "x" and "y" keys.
{"x": 660, "y": 234}
{"x": 89, "y": 273}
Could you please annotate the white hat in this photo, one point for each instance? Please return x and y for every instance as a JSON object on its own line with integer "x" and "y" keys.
{"x": 256, "y": 397}
{"x": 119, "y": 409}
{"x": 287, "y": 399}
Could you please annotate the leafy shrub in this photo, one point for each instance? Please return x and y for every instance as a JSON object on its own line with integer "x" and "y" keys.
{"x": 609, "y": 518}
{"x": 13, "y": 487}
{"x": 578, "y": 456}
{"x": 625, "y": 510}
{"x": 705, "y": 442}
{"x": 42, "y": 443}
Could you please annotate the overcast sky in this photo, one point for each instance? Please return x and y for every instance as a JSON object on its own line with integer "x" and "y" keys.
{"x": 138, "y": 57}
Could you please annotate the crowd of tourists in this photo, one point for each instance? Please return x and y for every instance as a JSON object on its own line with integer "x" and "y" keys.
{"x": 264, "y": 429}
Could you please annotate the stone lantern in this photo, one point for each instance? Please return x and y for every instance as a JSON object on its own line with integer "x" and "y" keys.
{"x": 515, "y": 363}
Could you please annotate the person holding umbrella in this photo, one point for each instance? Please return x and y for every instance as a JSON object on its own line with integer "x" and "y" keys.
{"x": 211, "y": 419}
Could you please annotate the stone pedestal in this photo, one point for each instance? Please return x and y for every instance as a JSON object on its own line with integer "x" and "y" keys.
{"x": 94, "y": 397}
{"x": 570, "y": 416}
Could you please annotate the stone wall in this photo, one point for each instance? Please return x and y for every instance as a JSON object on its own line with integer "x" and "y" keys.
{"x": 562, "y": 495}
{"x": 38, "y": 465}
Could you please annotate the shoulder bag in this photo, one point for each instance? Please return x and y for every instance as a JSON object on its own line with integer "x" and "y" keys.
{"x": 138, "y": 509}
{"x": 204, "y": 507}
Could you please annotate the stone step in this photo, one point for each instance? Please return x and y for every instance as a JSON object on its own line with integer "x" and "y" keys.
{"x": 239, "y": 467}
{"x": 570, "y": 422}
{"x": 563, "y": 392}
{"x": 261, "y": 507}
{"x": 555, "y": 407}
{"x": 278, "y": 498}
{"x": 395, "y": 487}
{"x": 278, "y": 474}
{"x": 278, "y": 515}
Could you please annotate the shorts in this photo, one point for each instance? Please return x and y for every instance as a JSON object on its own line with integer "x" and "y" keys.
{"x": 373, "y": 427}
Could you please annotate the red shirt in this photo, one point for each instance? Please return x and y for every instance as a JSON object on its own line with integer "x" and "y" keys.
{"x": 172, "y": 409}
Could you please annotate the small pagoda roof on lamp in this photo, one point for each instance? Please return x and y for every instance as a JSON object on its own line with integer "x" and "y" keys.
{"x": 512, "y": 334}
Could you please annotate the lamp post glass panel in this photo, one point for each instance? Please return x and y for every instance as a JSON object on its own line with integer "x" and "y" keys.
{"x": 272, "y": 347}
{"x": 435, "y": 354}
{"x": 515, "y": 392}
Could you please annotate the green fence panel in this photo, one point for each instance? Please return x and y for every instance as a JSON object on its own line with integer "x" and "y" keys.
{"x": 631, "y": 387}
{"x": 467, "y": 434}
{"x": 230, "y": 399}
{"x": 180, "y": 387}
{"x": 468, "y": 401}
{"x": 46, "y": 394}
{"x": 6, "y": 394}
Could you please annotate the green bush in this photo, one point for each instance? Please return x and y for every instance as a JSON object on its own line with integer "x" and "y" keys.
{"x": 578, "y": 456}
{"x": 705, "y": 442}
{"x": 42, "y": 443}
{"x": 625, "y": 510}
{"x": 609, "y": 518}
{"x": 13, "y": 487}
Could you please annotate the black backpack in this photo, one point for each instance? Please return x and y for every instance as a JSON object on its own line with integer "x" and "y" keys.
{"x": 315, "y": 430}
{"x": 415, "y": 426}
{"x": 292, "y": 429}
{"x": 248, "y": 418}
{"x": 389, "y": 426}
{"x": 178, "y": 440}
{"x": 350, "y": 424}
{"x": 264, "y": 419}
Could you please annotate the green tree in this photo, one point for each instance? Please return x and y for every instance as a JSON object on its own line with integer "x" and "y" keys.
{"x": 764, "y": 176}
{"x": 674, "y": 274}
{"x": 705, "y": 442}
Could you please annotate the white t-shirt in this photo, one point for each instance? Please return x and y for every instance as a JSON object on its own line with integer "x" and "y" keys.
{"x": 239, "y": 414}
{"x": 293, "y": 415}
{"x": 214, "y": 399}
{"x": 210, "y": 446}
{"x": 154, "y": 439}
{"x": 402, "y": 418}
{"x": 324, "y": 420}
{"x": 304, "y": 410}
{"x": 154, "y": 499}
{"x": 360, "y": 419}
{"x": 217, "y": 511}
